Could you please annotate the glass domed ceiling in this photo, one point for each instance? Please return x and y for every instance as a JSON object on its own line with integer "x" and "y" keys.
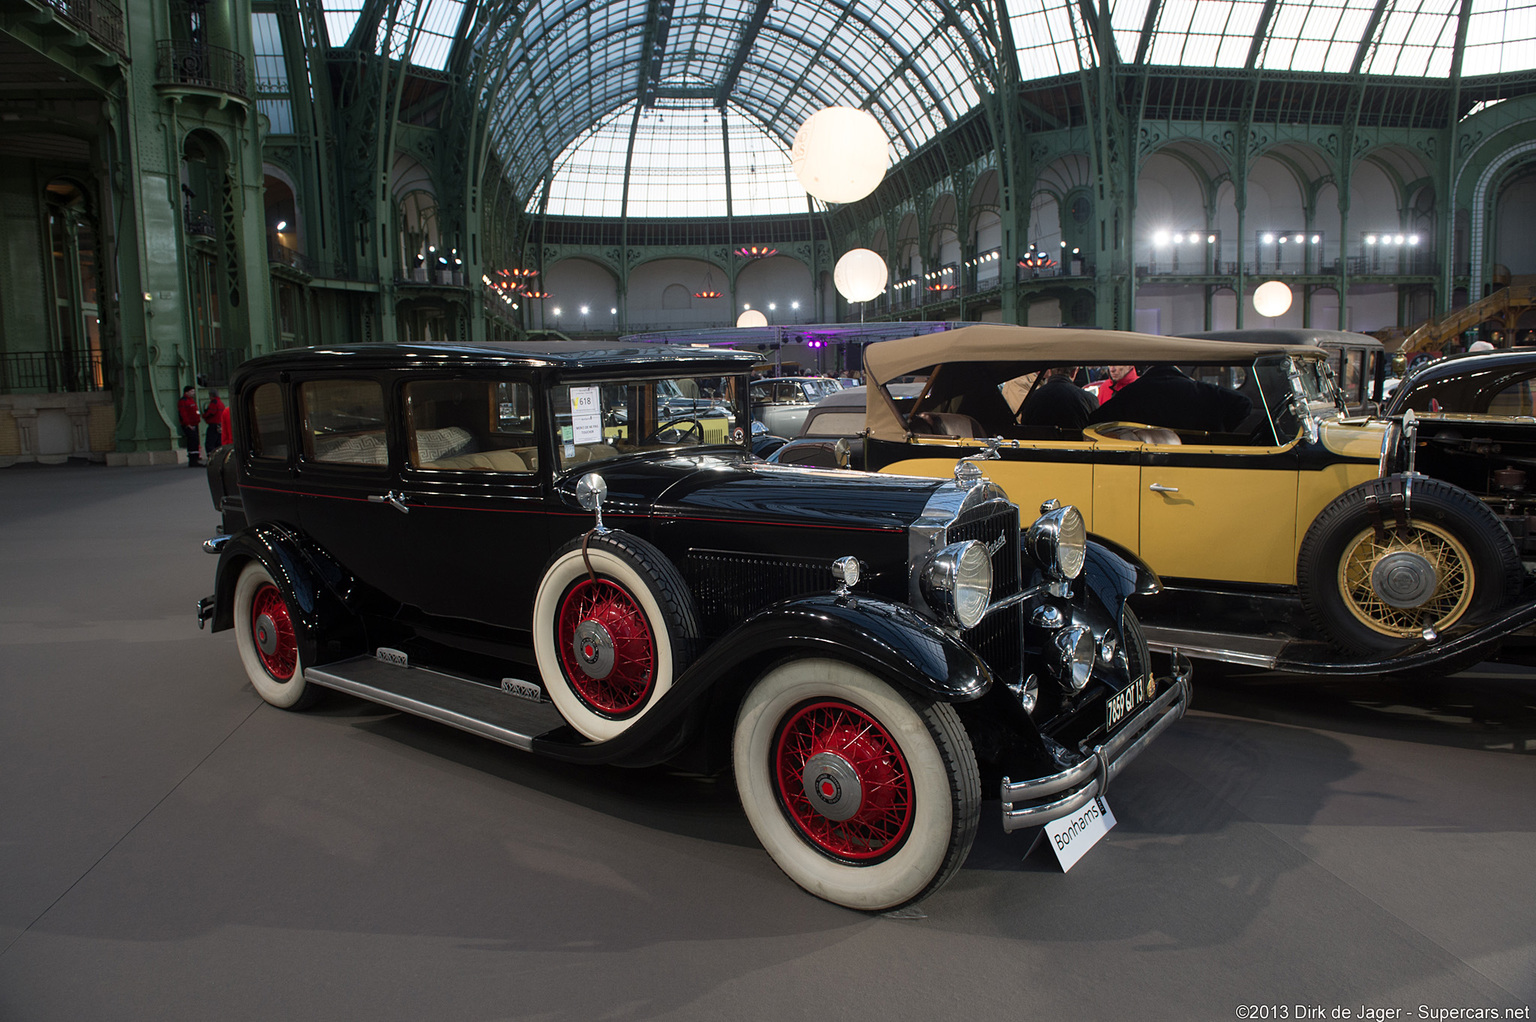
{"x": 561, "y": 80}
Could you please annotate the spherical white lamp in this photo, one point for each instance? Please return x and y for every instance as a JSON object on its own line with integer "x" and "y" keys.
{"x": 859, "y": 275}
{"x": 751, "y": 318}
{"x": 1272, "y": 298}
{"x": 840, "y": 154}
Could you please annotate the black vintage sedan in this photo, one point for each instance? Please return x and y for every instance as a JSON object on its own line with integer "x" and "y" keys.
{"x": 515, "y": 541}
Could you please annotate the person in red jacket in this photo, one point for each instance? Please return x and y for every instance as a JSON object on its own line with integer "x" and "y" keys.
{"x": 186, "y": 410}
{"x": 217, "y": 417}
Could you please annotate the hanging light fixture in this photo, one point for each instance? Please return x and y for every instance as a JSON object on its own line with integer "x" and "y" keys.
{"x": 522, "y": 274}
{"x": 1036, "y": 259}
{"x": 708, "y": 290}
{"x": 756, "y": 251}
{"x": 840, "y": 154}
{"x": 859, "y": 275}
{"x": 537, "y": 294}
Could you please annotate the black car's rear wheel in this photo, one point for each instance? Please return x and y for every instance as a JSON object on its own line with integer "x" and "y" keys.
{"x": 862, "y": 794}
{"x": 613, "y": 627}
{"x": 266, "y": 635}
{"x": 1373, "y": 590}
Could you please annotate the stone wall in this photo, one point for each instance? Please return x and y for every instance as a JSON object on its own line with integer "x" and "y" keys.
{"x": 52, "y": 428}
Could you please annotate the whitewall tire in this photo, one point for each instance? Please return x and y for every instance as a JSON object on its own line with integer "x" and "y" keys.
{"x": 610, "y": 639}
{"x": 862, "y": 794}
{"x": 267, "y": 638}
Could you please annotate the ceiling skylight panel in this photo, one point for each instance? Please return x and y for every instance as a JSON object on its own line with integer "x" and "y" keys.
{"x": 762, "y": 181}
{"x": 434, "y": 40}
{"x": 1353, "y": 23}
{"x": 431, "y": 50}
{"x": 902, "y": 21}
{"x": 1171, "y": 32}
{"x": 341, "y": 19}
{"x": 1237, "y": 35}
{"x": 1500, "y": 38}
{"x": 1126, "y": 17}
{"x": 1043, "y": 32}
{"x": 1415, "y": 43}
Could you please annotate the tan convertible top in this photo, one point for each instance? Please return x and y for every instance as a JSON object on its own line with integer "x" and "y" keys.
{"x": 997, "y": 342}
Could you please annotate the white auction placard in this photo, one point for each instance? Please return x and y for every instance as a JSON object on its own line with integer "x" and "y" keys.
{"x": 1072, "y": 836}
{"x": 586, "y": 415}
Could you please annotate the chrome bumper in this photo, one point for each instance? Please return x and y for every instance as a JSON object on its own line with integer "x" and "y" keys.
{"x": 1076, "y": 785}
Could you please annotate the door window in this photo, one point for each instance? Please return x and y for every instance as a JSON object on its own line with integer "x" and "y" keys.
{"x": 472, "y": 426}
{"x": 344, "y": 422}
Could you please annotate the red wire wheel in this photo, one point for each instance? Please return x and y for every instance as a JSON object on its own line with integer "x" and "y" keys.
{"x": 272, "y": 630}
{"x": 843, "y": 781}
{"x": 606, "y": 647}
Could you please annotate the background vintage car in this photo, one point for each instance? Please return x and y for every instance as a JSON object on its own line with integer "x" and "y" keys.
{"x": 1264, "y": 535}
{"x": 475, "y": 534}
{"x": 838, "y": 417}
{"x": 782, "y": 402}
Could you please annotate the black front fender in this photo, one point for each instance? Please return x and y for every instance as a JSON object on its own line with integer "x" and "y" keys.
{"x": 890, "y": 639}
{"x": 1116, "y": 574}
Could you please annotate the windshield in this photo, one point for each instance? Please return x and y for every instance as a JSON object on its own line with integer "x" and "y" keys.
{"x": 598, "y": 419}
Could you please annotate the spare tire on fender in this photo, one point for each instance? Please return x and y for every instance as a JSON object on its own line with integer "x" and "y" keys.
{"x": 1372, "y": 585}
{"x": 613, "y": 627}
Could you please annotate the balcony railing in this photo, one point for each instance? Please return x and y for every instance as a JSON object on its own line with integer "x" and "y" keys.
{"x": 54, "y": 372}
{"x": 102, "y": 20}
{"x": 211, "y": 67}
{"x": 286, "y": 255}
{"x": 199, "y": 225}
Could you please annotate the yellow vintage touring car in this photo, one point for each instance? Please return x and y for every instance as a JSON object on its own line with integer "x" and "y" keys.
{"x": 1285, "y": 532}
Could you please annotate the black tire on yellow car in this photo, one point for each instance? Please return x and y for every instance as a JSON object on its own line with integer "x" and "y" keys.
{"x": 1376, "y": 588}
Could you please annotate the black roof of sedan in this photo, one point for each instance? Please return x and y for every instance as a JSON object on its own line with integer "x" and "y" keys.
{"x": 542, "y": 354}
{"x": 1464, "y": 382}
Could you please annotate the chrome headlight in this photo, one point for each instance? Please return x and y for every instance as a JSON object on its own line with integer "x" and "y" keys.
{"x": 1059, "y": 542}
{"x": 957, "y": 583}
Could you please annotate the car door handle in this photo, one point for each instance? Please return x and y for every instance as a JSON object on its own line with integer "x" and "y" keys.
{"x": 1160, "y": 488}
{"x": 393, "y": 499}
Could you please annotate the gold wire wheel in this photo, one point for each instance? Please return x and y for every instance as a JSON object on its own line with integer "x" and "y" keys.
{"x": 1444, "y": 553}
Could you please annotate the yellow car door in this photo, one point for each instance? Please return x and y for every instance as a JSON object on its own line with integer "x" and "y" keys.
{"x": 1219, "y": 513}
{"x": 1097, "y": 475}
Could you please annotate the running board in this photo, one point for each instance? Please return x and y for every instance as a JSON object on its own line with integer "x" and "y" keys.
{"x": 1229, "y": 647}
{"x": 468, "y": 705}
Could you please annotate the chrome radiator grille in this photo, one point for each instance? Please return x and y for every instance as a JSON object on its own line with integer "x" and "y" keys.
{"x": 999, "y": 635}
{"x": 988, "y": 526}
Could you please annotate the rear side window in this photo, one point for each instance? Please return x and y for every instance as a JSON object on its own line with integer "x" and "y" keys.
{"x": 343, "y": 422}
{"x": 269, "y": 429}
{"x": 472, "y": 426}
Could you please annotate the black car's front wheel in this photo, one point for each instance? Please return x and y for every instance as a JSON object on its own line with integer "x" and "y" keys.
{"x": 1373, "y": 585}
{"x": 613, "y": 626}
{"x": 862, "y": 794}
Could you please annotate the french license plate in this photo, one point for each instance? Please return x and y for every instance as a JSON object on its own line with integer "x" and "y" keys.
{"x": 1118, "y": 706}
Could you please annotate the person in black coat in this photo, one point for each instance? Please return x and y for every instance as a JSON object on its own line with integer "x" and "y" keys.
{"x": 1057, "y": 401}
{"x": 1164, "y": 396}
